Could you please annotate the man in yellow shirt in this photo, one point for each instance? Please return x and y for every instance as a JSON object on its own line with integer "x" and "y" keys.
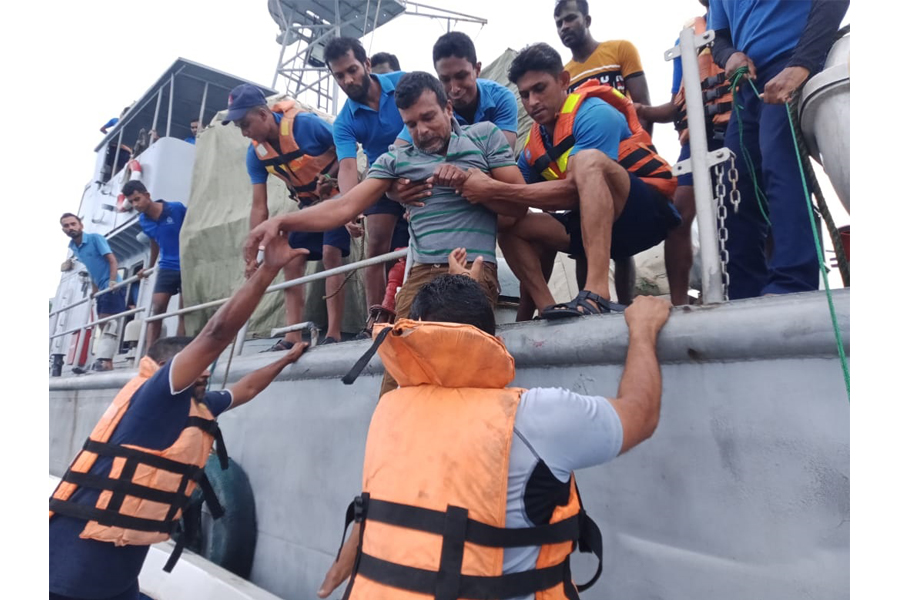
{"x": 616, "y": 63}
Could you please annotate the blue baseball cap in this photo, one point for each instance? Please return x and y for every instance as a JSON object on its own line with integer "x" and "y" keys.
{"x": 241, "y": 99}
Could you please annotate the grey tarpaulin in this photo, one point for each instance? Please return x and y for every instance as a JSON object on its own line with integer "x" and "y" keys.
{"x": 217, "y": 223}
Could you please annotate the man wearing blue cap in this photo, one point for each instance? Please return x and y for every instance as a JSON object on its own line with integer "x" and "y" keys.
{"x": 298, "y": 148}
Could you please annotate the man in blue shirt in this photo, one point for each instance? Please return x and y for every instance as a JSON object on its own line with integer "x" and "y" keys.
{"x": 161, "y": 221}
{"x": 195, "y": 128}
{"x": 94, "y": 252}
{"x": 781, "y": 44}
{"x": 611, "y": 212}
{"x": 369, "y": 117}
{"x": 312, "y": 136}
{"x": 155, "y": 417}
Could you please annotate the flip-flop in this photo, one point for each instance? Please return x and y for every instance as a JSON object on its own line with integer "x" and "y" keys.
{"x": 280, "y": 346}
{"x": 571, "y": 308}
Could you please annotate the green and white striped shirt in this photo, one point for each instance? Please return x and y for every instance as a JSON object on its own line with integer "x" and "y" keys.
{"x": 448, "y": 220}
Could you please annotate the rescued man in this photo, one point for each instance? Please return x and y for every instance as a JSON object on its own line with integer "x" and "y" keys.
{"x": 369, "y": 117}
{"x": 441, "y": 151}
{"x": 613, "y": 211}
{"x": 152, "y": 443}
{"x": 615, "y": 63}
{"x": 456, "y": 449}
{"x": 297, "y": 147}
{"x": 94, "y": 252}
{"x": 161, "y": 221}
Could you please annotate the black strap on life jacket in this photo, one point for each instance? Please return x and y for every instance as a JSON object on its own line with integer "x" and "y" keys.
{"x": 553, "y": 154}
{"x": 299, "y": 193}
{"x": 456, "y": 528}
{"x": 357, "y": 368}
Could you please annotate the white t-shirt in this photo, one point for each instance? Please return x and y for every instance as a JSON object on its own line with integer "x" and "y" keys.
{"x": 565, "y": 430}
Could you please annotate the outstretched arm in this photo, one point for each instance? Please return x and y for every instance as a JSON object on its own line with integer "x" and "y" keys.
{"x": 640, "y": 389}
{"x": 224, "y": 325}
{"x": 252, "y": 384}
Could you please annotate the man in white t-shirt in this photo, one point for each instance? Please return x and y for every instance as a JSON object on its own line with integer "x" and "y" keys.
{"x": 542, "y": 456}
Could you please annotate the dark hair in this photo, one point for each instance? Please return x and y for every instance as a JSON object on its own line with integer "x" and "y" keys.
{"x": 454, "y": 299}
{"x": 386, "y": 57}
{"x": 411, "y": 86}
{"x": 454, "y": 43}
{"x": 65, "y": 215}
{"x": 536, "y": 57}
{"x": 164, "y": 349}
{"x": 339, "y": 46}
{"x": 582, "y": 6}
{"x": 131, "y": 187}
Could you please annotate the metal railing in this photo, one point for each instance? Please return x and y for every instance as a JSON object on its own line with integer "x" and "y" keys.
{"x": 390, "y": 256}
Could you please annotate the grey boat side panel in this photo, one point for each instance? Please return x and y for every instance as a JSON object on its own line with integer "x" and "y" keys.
{"x": 743, "y": 491}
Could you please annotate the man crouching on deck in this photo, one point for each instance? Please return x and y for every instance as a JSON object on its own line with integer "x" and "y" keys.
{"x": 441, "y": 153}
{"x": 127, "y": 488}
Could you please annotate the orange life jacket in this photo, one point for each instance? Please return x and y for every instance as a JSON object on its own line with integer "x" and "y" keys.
{"x": 298, "y": 170}
{"x": 143, "y": 496}
{"x": 433, "y": 507}
{"x": 636, "y": 153}
{"x": 716, "y": 97}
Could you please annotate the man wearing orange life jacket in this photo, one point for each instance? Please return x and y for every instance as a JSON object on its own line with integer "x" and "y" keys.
{"x": 679, "y": 251}
{"x": 468, "y": 485}
{"x": 588, "y": 155}
{"x": 298, "y": 148}
{"x": 126, "y": 489}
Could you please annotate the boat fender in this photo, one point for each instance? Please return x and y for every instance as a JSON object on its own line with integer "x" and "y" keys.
{"x": 229, "y": 541}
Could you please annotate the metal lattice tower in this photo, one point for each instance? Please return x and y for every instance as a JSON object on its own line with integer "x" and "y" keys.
{"x": 307, "y": 25}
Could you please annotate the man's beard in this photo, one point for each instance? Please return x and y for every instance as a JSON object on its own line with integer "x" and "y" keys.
{"x": 361, "y": 95}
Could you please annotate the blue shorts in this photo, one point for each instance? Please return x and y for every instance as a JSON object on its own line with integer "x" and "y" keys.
{"x": 314, "y": 240}
{"x": 385, "y": 206}
{"x": 112, "y": 303}
{"x": 168, "y": 281}
{"x": 688, "y": 178}
{"x": 400, "y": 238}
{"x": 645, "y": 221}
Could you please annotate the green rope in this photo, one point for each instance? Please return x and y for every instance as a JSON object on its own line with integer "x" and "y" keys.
{"x": 812, "y": 222}
{"x": 761, "y": 199}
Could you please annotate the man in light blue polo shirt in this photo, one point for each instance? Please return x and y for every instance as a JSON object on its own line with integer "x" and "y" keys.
{"x": 161, "y": 221}
{"x": 94, "y": 252}
{"x": 369, "y": 117}
{"x": 474, "y": 100}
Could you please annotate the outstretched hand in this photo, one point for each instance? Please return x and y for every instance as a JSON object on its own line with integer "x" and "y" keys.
{"x": 647, "y": 315}
{"x": 258, "y": 238}
{"x": 268, "y": 240}
{"x": 457, "y": 262}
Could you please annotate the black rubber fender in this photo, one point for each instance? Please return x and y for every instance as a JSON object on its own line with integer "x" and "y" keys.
{"x": 230, "y": 540}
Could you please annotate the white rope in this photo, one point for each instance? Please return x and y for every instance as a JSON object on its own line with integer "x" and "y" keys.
{"x": 375, "y": 25}
{"x": 366, "y": 20}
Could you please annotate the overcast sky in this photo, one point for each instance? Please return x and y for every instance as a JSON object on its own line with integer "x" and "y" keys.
{"x": 89, "y": 59}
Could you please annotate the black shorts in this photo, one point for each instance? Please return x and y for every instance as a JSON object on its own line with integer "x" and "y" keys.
{"x": 400, "y": 238}
{"x": 168, "y": 281}
{"x": 645, "y": 221}
{"x": 111, "y": 303}
{"x": 385, "y": 206}
{"x": 314, "y": 240}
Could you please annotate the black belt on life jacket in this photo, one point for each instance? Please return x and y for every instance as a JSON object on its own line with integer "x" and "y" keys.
{"x": 456, "y": 528}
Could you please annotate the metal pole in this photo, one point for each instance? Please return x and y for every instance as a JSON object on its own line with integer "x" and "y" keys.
{"x": 710, "y": 260}
{"x": 81, "y": 335}
{"x": 239, "y": 340}
{"x": 146, "y": 301}
{"x": 171, "y": 100}
{"x": 284, "y": 39}
{"x": 115, "y": 162}
{"x": 103, "y": 291}
{"x": 126, "y": 313}
{"x": 156, "y": 110}
{"x": 202, "y": 107}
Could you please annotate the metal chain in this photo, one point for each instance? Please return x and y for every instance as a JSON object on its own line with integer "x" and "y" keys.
{"x": 733, "y": 178}
{"x": 723, "y": 231}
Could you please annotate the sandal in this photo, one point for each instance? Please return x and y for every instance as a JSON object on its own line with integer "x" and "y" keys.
{"x": 329, "y": 340}
{"x": 280, "y": 346}
{"x": 571, "y": 309}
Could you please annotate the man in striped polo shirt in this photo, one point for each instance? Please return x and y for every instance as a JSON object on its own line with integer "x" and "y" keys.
{"x": 441, "y": 153}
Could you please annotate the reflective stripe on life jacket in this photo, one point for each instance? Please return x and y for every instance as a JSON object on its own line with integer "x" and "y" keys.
{"x": 637, "y": 154}
{"x": 298, "y": 170}
{"x": 142, "y": 497}
{"x": 433, "y": 510}
{"x": 716, "y": 95}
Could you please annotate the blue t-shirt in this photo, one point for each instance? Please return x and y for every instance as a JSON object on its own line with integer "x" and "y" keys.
{"x": 111, "y": 122}
{"x": 154, "y": 419}
{"x": 376, "y": 131}
{"x": 313, "y": 136}
{"x": 496, "y": 104}
{"x": 191, "y": 140}
{"x": 764, "y": 30}
{"x": 598, "y": 126}
{"x": 165, "y": 233}
{"x": 92, "y": 253}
